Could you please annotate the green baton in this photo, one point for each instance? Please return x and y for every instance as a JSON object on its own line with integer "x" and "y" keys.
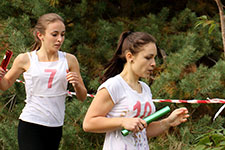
{"x": 151, "y": 118}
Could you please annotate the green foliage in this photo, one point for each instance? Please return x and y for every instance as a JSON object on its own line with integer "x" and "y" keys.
{"x": 203, "y": 20}
{"x": 8, "y": 126}
{"x": 8, "y": 139}
{"x": 202, "y": 134}
{"x": 214, "y": 139}
{"x": 194, "y": 67}
{"x": 74, "y": 137}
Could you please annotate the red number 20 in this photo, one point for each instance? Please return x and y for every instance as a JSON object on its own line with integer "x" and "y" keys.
{"x": 137, "y": 107}
{"x": 53, "y": 72}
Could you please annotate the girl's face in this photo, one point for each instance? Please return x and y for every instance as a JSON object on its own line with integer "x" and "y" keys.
{"x": 54, "y": 36}
{"x": 144, "y": 61}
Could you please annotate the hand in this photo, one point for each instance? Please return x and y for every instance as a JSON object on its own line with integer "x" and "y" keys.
{"x": 178, "y": 116}
{"x": 134, "y": 124}
{"x": 73, "y": 78}
{"x": 2, "y": 72}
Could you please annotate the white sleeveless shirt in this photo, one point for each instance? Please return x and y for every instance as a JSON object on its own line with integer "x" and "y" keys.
{"x": 46, "y": 90}
{"x": 127, "y": 103}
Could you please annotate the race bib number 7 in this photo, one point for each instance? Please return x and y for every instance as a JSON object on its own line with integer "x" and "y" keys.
{"x": 52, "y": 75}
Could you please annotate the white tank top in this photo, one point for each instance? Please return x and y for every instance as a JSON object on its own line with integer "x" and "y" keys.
{"x": 127, "y": 103}
{"x": 46, "y": 89}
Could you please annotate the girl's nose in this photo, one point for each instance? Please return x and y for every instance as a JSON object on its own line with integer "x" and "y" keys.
{"x": 60, "y": 38}
{"x": 153, "y": 63}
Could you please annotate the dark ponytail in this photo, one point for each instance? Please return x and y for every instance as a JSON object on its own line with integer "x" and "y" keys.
{"x": 128, "y": 41}
{"x": 115, "y": 65}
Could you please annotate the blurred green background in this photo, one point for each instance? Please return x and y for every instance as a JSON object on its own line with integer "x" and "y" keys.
{"x": 188, "y": 31}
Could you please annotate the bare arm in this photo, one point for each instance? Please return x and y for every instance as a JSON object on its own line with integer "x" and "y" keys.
{"x": 20, "y": 65}
{"x": 74, "y": 77}
{"x": 177, "y": 117}
{"x": 96, "y": 120}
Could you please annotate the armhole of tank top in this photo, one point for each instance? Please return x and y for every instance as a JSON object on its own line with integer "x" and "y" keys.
{"x": 30, "y": 58}
{"x": 29, "y": 55}
{"x": 64, "y": 54}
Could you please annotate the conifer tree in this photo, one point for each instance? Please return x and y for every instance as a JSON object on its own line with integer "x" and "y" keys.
{"x": 194, "y": 67}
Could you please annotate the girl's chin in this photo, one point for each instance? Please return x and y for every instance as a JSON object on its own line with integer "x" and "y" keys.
{"x": 147, "y": 75}
{"x": 56, "y": 49}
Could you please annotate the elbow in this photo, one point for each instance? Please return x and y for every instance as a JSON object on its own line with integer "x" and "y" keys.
{"x": 82, "y": 98}
{"x": 3, "y": 88}
{"x": 4, "y": 85}
{"x": 86, "y": 127}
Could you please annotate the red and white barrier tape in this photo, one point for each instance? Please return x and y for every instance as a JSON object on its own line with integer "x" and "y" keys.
{"x": 17, "y": 80}
{"x": 215, "y": 100}
{"x": 73, "y": 93}
{"x": 208, "y": 101}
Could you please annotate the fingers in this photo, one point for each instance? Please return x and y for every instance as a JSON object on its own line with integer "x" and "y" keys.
{"x": 72, "y": 78}
{"x": 144, "y": 123}
{"x": 184, "y": 118}
{"x": 139, "y": 127}
{"x": 178, "y": 116}
{"x": 2, "y": 72}
{"x": 135, "y": 124}
{"x": 181, "y": 111}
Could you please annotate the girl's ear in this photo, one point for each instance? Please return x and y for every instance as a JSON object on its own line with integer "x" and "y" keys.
{"x": 39, "y": 35}
{"x": 129, "y": 57}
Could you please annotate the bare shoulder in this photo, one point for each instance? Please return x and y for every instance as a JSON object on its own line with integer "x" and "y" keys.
{"x": 72, "y": 61}
{"x": 71, "y": 57}
{"x": 104, "y": 94}
{"x": 23, "y": 57}
{"x": 22, "y": 61}
{"x": 102, "y": 98}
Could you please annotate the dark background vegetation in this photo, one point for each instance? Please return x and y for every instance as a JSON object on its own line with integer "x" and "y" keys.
{"x": 194, "y": 67}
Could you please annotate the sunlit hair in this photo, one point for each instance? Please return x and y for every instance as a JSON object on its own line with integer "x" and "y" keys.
{"x": 128, "y": 41}
{"x": 41, "y": 26}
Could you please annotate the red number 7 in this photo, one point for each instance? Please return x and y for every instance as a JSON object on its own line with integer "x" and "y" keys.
{"x": 53, "y": 72}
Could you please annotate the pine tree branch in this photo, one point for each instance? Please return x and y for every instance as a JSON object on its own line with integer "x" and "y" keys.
{"x": 222, "y": 20}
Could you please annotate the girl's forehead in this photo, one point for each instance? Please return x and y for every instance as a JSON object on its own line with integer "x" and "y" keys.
{"x": 149, "y": 48}
{"x": 57, "y": 25}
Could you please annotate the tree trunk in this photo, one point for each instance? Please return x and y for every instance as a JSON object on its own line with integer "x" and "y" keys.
{"x": 222, "y": 20}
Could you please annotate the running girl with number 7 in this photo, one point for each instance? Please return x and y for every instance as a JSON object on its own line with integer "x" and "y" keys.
{"x": 122, "y": 100}
{"x": 46, "y": 71}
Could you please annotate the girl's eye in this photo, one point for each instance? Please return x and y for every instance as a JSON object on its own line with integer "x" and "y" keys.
{"x": 148, "y": 58}
{"x": 54, "y": 34}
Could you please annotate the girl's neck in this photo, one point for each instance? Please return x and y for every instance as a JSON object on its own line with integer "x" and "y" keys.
{"x": 128, "y": 77}
{"x": 46, "y": 56}
{"x": 131, "y": 80}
